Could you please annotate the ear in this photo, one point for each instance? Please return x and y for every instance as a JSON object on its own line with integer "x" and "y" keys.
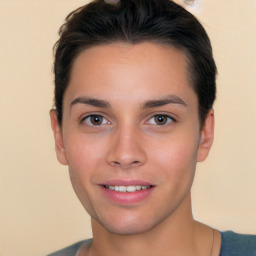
{"x": 207, "y": 136}
{"x": 58, "y": 137}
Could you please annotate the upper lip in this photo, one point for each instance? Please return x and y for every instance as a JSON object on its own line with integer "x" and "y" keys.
{"x": 127, "y": 183}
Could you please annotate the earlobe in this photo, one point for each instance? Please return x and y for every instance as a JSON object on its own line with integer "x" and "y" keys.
{"x": 207, "y": 136}
{"x": 58, "y": 137}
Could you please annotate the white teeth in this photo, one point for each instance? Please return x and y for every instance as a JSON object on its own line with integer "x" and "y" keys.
{"x": 131, "y": 189}
{"x": 122, "y": 189}
{"x": 127, "y": 188}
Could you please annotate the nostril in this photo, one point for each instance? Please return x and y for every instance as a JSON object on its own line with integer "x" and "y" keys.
{"x": 124, "y": 164}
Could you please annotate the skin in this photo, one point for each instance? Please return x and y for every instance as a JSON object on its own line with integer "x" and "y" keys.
{"x": 130, "y": 143}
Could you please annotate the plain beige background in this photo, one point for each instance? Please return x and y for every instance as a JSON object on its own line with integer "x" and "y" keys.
{"x": 39, "y": 211}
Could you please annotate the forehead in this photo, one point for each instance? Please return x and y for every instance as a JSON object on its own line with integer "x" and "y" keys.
{"x": 121, "y": 70}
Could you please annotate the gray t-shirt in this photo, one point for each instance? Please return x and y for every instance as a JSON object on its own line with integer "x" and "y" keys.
{"x": 232, "y": 244}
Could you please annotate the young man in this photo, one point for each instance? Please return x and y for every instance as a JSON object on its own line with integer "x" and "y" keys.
{"x": 134, "y": 89}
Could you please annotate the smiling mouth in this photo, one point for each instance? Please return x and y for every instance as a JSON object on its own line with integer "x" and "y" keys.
{"x": 128, "y": 189}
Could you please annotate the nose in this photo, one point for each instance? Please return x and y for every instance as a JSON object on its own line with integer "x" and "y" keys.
{"x": 126, "y": 149}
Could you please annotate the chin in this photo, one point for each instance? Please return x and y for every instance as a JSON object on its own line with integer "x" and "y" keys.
{"x": 126, "y": 229}
{"x": 127, "y": 225}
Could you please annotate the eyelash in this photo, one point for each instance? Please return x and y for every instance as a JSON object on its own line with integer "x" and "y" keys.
{"x": 168, "y": 121}
{"x": 105, "y": 121}
{"x": 168, "y": 118}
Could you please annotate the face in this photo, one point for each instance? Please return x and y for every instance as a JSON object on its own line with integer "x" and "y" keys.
{"x": 131, "y": 134}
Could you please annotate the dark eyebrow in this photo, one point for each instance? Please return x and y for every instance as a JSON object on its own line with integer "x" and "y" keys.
{"x": 90, "y": 101}
{"x": 171, "y": 99}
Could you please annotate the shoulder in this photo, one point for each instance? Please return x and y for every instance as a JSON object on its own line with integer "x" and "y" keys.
{"x": 70, "y": 250}
{"x": 234, "y": 244}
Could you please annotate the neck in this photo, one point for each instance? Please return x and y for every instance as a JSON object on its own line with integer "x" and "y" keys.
{"x": 175, "y": 235}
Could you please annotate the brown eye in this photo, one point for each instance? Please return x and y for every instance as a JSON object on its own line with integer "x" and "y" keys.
{"x": 95, "y": 120}
{"x": 161, "y": 119}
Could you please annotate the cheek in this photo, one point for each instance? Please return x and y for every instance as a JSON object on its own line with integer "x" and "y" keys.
{"x": 177, "y": 160}
{"x": 83, "y": 156}
{"x": 84, "y": 159}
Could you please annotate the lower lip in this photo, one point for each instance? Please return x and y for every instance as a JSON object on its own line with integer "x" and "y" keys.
{"x": 127, "y": 198}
